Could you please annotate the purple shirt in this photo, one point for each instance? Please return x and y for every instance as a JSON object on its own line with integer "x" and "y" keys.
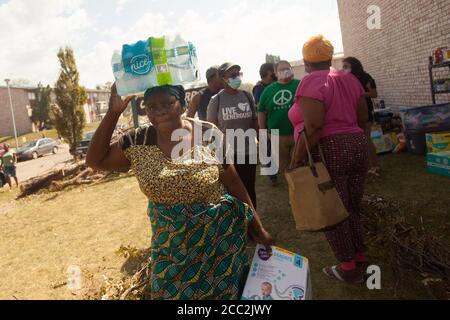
{"x": 339, "y": 92}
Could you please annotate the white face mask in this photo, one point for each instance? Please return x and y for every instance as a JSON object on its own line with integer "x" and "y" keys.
{"x": 347, "y": 70}
{"x": 285, "y": 74}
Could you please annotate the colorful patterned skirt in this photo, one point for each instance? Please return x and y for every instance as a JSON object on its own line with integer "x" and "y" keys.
{"x": 198, "y": 251}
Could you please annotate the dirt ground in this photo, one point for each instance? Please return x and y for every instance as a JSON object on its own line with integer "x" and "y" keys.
{"x": 43, "y": 235}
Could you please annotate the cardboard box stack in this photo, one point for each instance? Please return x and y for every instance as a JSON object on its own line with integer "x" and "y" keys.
{"x": 438, "y": 158}
{"x": 384, "y": 143}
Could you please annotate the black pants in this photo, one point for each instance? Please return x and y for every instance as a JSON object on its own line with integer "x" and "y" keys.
{"x": 247, "y": 173}
{"x": 269, "y": 154}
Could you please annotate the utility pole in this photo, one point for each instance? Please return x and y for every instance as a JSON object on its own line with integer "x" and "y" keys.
{"x": 12, "y": 112}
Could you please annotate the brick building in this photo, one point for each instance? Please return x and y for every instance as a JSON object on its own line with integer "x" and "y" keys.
{"x": 96, "y": 105}
{"x": 24, "y": 98}
{"x": 396, "y": 55}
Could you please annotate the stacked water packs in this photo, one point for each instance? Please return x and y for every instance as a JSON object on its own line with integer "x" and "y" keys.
{"x": 154, "y": 62}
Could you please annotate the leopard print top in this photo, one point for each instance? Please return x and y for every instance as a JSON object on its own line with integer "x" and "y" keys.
{"x": 172, "y": 182}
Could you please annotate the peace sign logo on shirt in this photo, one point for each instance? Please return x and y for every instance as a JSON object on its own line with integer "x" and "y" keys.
{"x": 282, "y": 97}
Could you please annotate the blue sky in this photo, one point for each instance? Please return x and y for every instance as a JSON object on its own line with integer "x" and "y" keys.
{"x": 241, "y": 31}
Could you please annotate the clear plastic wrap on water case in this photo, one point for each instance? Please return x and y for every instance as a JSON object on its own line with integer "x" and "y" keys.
{"x": 154, "y": 62}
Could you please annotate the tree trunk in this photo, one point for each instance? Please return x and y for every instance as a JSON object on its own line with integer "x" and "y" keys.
{"x": 74, "y": 133}
{"x": 33, "y": 185}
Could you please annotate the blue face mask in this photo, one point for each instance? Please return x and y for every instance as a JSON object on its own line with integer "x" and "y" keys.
{"x": 235, "y": 83}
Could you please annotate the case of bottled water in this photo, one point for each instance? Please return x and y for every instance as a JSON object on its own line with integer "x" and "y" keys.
{"x": 154, "y": 62}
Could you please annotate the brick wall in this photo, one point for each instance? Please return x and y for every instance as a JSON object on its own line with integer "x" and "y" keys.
{"x": 20, "y": 103}
{"x": 397, "y": 54}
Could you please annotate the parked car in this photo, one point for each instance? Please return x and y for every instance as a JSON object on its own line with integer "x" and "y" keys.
{"x": 35, "y": 149}
{"x": 83, "y": 147}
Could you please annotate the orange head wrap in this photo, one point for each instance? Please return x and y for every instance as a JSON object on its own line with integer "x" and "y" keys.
{"x": 318, "y": 49}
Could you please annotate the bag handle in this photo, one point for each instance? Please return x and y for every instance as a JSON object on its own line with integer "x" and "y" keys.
{"x": 310, "y": 158}
{"x": 308, "y": 151}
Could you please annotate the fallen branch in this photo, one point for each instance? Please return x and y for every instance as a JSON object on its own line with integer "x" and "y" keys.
{"x": 36, "y": 184}
{"x": 57, "y": 180}
{"x": 60, "y": 185}
{"x": 407, "y": 246}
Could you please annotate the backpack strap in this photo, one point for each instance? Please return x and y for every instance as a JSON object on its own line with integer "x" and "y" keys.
{"x": 250, "y": 100}
{"x": 218, "y": 99}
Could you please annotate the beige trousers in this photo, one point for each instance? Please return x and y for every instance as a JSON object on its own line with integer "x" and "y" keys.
{"x": 282, "y": 155}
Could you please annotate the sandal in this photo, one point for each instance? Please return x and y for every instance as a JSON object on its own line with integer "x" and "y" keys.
{"x": 337, "y": 273}
{"x": 362, "y": 266}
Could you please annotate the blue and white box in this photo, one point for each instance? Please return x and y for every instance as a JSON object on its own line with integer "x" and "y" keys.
{"x": 282, "y": 276}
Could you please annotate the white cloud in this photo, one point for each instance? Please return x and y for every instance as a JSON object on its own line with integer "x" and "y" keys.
{"x": 32, "y": 32}
{"x": 121, "y": 4}
{"x": 240, "y": 31}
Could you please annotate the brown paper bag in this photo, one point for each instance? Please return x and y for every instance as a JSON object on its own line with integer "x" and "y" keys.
{"x": 315, "y": 202}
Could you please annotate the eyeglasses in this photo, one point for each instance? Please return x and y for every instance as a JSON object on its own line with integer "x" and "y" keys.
{"x": 161, "y": 107}
{"x": 236, "y": 74}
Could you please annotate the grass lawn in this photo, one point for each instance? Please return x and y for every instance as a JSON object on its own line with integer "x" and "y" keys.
{"x": 45, "y": 234}
{"x": 420, "y": 194}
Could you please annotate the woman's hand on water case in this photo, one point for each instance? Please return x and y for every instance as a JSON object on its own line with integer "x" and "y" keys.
{"x": 116, "y": 104}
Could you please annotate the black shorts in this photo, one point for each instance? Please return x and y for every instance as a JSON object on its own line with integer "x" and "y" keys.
{"x": 10, "y": 172}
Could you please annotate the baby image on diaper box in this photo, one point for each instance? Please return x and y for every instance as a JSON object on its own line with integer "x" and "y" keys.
{"x": 282, "y": 276}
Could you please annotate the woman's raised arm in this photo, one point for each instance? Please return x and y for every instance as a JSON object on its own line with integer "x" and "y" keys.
{"x": 101, "y": 154}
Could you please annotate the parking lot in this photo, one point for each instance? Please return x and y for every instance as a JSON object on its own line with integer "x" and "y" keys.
{"x": 33, "y": 168}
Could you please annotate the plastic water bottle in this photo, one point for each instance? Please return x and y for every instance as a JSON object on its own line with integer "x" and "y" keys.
{"x": 118, "y": 72}
{"x": 127, "y": 83}
{"x": 141, "y": 65}
{"x": 116, "y": 63}
{"x": 182, "y": 59}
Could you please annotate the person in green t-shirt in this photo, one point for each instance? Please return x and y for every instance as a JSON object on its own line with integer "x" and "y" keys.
{"x": 274, "y": 105}
{"x": 8, "y": 164}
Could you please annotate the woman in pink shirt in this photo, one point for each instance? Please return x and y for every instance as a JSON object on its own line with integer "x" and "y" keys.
{"x": 330, "y": 106}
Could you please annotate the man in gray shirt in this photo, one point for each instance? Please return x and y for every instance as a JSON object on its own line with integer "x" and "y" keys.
{"x": 235, "y": 109}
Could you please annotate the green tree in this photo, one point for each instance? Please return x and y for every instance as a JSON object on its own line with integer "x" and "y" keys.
{"x": 247, "y": 87}
{"x": 69, "y": 114}
{"x": 41, "y": 110}
{"x": 272, "y": 59}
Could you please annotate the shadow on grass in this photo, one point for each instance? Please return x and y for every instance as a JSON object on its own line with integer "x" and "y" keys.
{"x": 405, "y": 180}
{"x": 113, "y": 178}
{"x": 53, "y": 197}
